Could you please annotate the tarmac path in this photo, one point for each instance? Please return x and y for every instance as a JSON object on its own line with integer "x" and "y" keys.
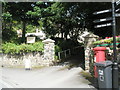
{"x": 47, "y": 77}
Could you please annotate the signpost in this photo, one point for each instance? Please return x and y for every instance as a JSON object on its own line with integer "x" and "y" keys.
{"x": 117, "y": 15}
{"x": 113, "y": 24}
{"x": 101, "y": 12}
{"x": 102, "y": 20}
{"x": 118, "y": 2}
{"x": 117, "y": 10}
{"x": 103, "y": 25}
{"x": 115, "y": 63}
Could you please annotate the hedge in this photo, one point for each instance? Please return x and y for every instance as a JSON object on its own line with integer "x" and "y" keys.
{"x": 12, "y": 48}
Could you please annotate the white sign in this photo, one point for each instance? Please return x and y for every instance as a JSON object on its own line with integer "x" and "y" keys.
{"x": 118, "y": 2}
{"x": 30, "y": 39}
{"x": 103, "y": 25}
{"x": 100, "y": 72}
{"x": 104, "y": 11}
{"x": 117, "y": 15}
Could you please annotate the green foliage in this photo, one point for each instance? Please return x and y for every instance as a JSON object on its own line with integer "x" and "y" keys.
{"x": 30, "y": 28}
{"x": 118, "y": 39}
{"x": 16, "y": 25}
{"x": 39, "y": 2}
{"x": 34, "y": 14}
{"x": 12, "y": 48}
{"x": 7, "y": 16}
{"x": 53, "y": 17}
{"x": 110, "y": 40}
{"x": 96, "y": 42}
{"x": 9, "y": 48}
{"x": 56, "y": 57}
{"x": 38, "y": 46}
{"x": 57, "y": 48}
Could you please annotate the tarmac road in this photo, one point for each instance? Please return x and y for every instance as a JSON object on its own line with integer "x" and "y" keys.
{"x": 4, "y": 85}
{"x": 47, "y": 77}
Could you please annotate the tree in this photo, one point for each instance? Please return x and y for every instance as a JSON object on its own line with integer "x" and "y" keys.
{"x": 69, "y": 18}
{"x": 18, "y": 12}
{"x": 57, "y": 17}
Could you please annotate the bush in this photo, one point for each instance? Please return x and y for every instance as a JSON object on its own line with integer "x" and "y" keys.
{"x": 12, "y": 48}
{"x": 57, "y": 48}
{"x": 38, "y": 46}
{"x": 109, "y": 40}
{"x": 96, "y": 42}
{"x": 9, "y": 48}
{"x": 118, "y": 39}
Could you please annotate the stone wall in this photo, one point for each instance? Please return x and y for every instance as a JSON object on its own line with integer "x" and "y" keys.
{"x": 49, "y": 52}
{"x": 31, "y": 60}
{"x": 36, "y": 60}
{"x": 89, "y": 39}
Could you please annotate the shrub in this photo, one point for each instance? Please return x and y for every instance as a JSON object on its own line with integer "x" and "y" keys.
{"x": 38, "y": 46}
{"x": 57, "y": 48}
{"x": 12, "y": 48}
{"x": 118, "y": 39}
{"x": 96, "y": 42}
{"x": 108, "y": 40}
{"x": 9, "y": 48}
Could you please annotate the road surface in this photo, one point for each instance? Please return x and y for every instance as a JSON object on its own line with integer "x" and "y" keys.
{"x": 47, "y": 77}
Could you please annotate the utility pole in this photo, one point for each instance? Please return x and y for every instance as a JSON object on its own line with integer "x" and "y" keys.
{"x": 115, "y": 63}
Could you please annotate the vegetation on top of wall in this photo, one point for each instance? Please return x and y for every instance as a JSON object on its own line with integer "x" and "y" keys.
{"x": 107, "y": 40}
{"x": 12, "y": 48}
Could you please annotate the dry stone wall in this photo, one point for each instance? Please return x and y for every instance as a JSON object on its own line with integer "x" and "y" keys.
{"x": 31, "y": 60}
{"x": 19, "y": 60}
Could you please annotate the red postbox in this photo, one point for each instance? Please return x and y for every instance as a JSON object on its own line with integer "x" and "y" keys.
{"x": 99, "y": 56}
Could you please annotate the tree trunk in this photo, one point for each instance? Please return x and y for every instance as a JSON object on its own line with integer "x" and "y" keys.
{"x": 62, "y": 35}
{"x": 24, "y": 31}
{"x": 65, "y": 36}
{"x": 4, "y": 25}
{"x": 10, "y": 25}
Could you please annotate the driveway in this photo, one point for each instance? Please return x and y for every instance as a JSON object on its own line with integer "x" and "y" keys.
{"x": 47, "y": 77}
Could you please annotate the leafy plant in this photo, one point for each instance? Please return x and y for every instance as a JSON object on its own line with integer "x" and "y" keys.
{"x": 9, "y": 48}
{"x": 118, "y": 39}
{"x": 7, "y": 16}
{"x": 38, "y": 46}
{"x": 12, "y": 48}
{"x": 108, "y": 40}
{"x": 57, "y": 48}
{"x": 96, "y": 42}
{"x": 103, "y": 41}
{"x": 30, "y": 28}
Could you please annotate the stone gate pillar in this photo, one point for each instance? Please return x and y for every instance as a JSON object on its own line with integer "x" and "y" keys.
{"x": 89, "y": 39}
{"x": 49, "y": 51}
